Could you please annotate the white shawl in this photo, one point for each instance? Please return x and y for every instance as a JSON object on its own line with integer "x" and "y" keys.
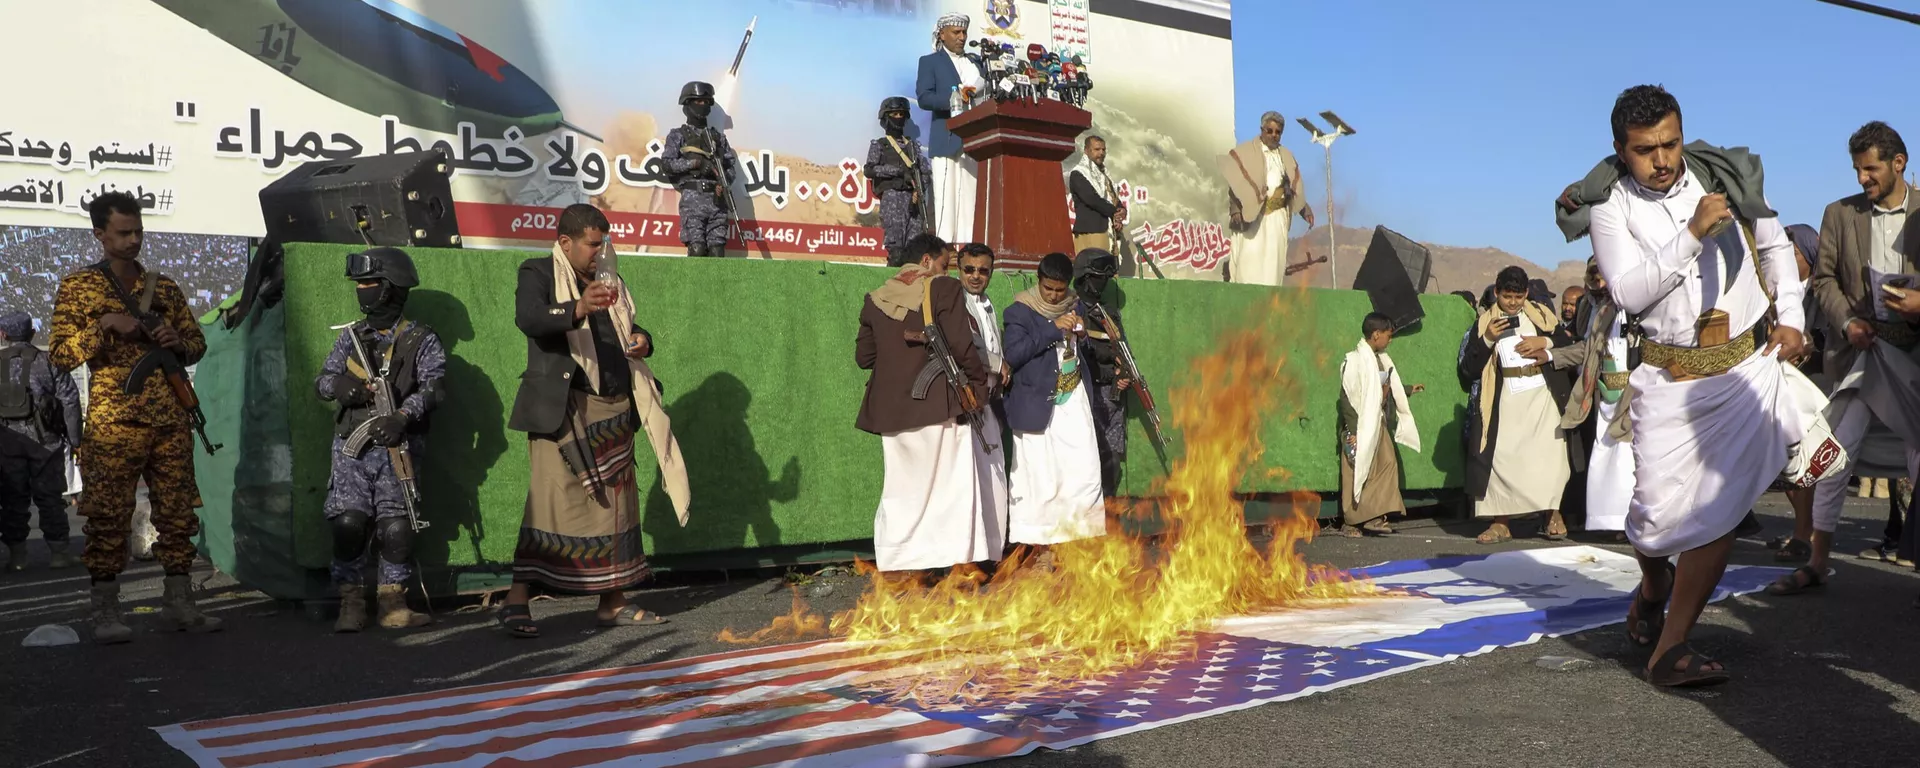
{"x": 1360, "y": 379}
{"x": 646, "y": 396}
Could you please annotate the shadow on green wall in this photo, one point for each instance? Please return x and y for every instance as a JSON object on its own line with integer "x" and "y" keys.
{"x": 733, "y": 487}
{"x": 466, "y": 437}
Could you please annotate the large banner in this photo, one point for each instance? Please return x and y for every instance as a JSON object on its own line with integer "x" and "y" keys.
{"x": 194, "y": 105}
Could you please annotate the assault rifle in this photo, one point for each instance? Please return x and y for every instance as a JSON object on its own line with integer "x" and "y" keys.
{"x": 1130, "y": 370}
{"x": 941, "y": 362}
{"x": 709, "y": 148}
{"x": 383, "y": 405}
{"x": 159, "y": 358}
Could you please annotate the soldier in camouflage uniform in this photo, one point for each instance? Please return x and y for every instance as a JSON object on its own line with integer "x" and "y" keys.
{"x": 691, "y": 154}
{"x": 365, "y": 501}
{"x": 1093, "y": 269}
{"x": 903, "y": 180}
{"x": 39, "y": 420}
{"x": 129, "y": 437}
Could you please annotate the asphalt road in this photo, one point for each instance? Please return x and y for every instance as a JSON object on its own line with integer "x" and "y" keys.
{"x": 1821, "y": 680}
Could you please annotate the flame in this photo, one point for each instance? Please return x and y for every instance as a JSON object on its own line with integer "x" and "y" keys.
{"x": 1114, "y": 601}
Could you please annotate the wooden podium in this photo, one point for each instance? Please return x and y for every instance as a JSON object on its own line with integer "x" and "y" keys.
{"x": 1020, "y": 205}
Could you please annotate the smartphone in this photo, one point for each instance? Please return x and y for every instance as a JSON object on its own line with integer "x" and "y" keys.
{"x": 1513, "y": 326}
{"x": 1890, "y": 290}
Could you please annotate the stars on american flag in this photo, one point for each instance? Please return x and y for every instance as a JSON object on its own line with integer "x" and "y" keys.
{"x": 1213, "y": 674}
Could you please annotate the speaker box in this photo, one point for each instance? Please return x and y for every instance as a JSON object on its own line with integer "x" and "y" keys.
{"x": 1394, "y": 273}
{"x": 398, "y": 200}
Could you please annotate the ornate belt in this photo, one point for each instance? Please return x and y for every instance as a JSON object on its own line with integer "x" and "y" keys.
{"x": 1524, "y": 370}
{"x": 1702, "y": 362}
{"x": 1615, "y": 380}
{"x": 1277, "y": 202}
{"x": 1898, "y": 334}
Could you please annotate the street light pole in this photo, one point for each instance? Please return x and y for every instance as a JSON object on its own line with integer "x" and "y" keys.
{"x": 1325, "y": 139}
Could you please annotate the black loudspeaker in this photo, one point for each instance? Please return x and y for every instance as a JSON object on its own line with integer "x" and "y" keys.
{"x": 399, "y": 200}
{"x": 1394, "y": 273}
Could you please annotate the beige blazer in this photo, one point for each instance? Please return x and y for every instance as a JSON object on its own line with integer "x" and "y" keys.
{"x": 1245, "y": 171}
{"x": 1841, "y": 282}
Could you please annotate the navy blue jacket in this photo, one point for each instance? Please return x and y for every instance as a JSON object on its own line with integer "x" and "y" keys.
{"x": 1032, "y": 344}
{"x": 935, "y": 85}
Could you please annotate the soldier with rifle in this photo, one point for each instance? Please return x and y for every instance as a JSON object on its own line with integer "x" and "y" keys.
{"x": 934, "y": 512}
{"x": 701, "y": 164}
{"x": 901, "y": 178}
{"x": 141, "y": 414}
{"x": 1110, "y": 359}
{"x": 383, "y": 377}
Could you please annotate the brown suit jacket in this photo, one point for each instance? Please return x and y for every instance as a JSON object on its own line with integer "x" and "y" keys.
{"x": 1841, "y": 283}
{"x": 883, "y": 348}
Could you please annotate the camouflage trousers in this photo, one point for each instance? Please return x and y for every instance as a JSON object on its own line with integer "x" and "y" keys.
{"x": 368, "y": 486}
{"x": 114, "y": 457}
{"x": 702, "y": 222}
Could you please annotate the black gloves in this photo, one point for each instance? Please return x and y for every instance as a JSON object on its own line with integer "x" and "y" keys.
{"x": 388, "y": 430}
{"x": 350, "y": 390}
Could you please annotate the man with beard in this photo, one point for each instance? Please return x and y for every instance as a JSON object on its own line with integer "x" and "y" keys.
{"x": 1600, "y": 357}
{"x": 949, "y": 83}
{"x": 1689, "y": 247}
{"x": 1264, "y": 194}
{"x": 130, "y": 434}
{"x": 976, "y": 273}
{"x": 1867, "y": 280}
{"x": 932, "y": 512}
{"x": 1096, "y": 211}
{"x": 902, "y": 179}
{"x": 697, "y": 156}
{"x": 1571, "y": 300}
{"x": 366, "y": 503}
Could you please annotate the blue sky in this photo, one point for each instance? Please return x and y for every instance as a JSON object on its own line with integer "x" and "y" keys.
{"x": 1473, "y": 115}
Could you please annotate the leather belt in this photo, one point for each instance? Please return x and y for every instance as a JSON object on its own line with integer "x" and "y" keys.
{"x": 1524, "y": 370}
{"x": 1702, "y": 362}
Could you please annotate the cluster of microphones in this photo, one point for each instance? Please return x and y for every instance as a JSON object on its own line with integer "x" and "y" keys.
{"x": 1041, "y": 75}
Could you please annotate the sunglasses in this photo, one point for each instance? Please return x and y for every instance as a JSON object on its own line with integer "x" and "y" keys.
{"x": 973, "y": 270}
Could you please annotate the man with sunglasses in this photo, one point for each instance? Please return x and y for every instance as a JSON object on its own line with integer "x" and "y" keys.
{"x": 976, "y": 273}
{"x": 1263, "y": 196}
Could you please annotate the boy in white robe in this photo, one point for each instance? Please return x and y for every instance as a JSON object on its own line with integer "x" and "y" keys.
{"x": 1373, "y": 417}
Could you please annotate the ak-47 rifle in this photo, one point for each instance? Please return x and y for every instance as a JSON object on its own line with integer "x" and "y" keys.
{"x": 709, "y": 148}
{"x": 159, "y": 358}
{"x": 383, "y": 405}
{"x": 941, "y": 362}
{"x": 1130, "y": 370}
{"x": 1120, "y": 232}
{"x": 1302, "y": 266}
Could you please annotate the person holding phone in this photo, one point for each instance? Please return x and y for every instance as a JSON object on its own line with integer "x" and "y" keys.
{"x": 1869, "y": 252}
{"x": 1518, "y": 454}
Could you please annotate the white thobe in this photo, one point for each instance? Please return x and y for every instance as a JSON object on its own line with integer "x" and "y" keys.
{"x": 992, "y": 459}
{"x": 1883, "y": 378}
{"x": 1259, "y": 255}
{"x": 1610, "y": 468}
{"x": 955, "y": 180}
{"x": 1056, "y": 481}
{"x": 1704, "y": 450}
{"x": 932, "y": 512}
{"x": 1530, "y": 468}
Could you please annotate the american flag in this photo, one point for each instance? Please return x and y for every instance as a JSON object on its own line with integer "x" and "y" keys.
{"x": 813, "y": 704}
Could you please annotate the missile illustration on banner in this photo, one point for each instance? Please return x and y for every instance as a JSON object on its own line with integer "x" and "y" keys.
{"x": 382, "y": 58}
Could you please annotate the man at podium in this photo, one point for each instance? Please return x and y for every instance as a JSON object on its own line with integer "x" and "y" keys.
{"x": 950, "y": 83}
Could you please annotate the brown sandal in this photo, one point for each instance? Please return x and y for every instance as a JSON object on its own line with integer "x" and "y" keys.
{"x": 1695, "y": 675}
{"x": 1491, "y": 536}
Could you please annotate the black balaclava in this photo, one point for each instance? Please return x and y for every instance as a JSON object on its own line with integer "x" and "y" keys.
{"x": 382, "y": 303}
{"x": 894, "y": 126}
{"x": 697, "y": 113}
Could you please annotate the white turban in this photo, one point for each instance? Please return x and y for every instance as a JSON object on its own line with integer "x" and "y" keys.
{"x": 954, "y": 20}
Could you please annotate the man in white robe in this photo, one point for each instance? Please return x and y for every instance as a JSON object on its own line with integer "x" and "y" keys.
{"x": 976, "y": 273}
{"x": 1600, "y": 354}
{"x": 949, "y": 83}
{"x": 1872, "y": 349}
{"x": 1711, "y": 418}
{"x": 1263, "y": 196}
{"x": 1519, "y": 442}
{"x": 1057, "y": 495}
{"x": 932, "y": 512}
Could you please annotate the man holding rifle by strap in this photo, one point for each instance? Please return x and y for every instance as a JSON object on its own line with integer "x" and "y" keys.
{"x": 1114, "y": 370}
{"x": 934, "y": 510}
{"x": 141, "y": 416}
{"x": 384, "y": 376}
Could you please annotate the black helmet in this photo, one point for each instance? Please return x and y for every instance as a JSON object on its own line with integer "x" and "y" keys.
{"x": 895, "y": 104}
{"x": 695, "y": 90}
{"x": 1094, "y": 262}
{"x": 382, "y": 263}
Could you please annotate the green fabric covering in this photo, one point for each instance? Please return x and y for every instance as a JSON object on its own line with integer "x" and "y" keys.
{"x": 757, "y": 361}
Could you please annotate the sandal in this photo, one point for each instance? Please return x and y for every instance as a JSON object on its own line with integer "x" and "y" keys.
{"x": 1664, "y": 675}
{"x": 1378, "y": 526}
{"x": 1494, "y": 535}
{"x": 633, "y": 616}
{"x": 1550, "y": 533}
{"x": 1779, "y": 541}
{"x": 518, "y": 621}
{"x": 1349, "y": 532}
{"x": 1793, "y": 584}
{"x": 1644, "y": 630}
{"x": 1792, "y": 551}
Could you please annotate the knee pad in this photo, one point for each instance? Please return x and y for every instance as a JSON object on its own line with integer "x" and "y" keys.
{"x": 350, "y": 530}
{"x": 396, "y": 540}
